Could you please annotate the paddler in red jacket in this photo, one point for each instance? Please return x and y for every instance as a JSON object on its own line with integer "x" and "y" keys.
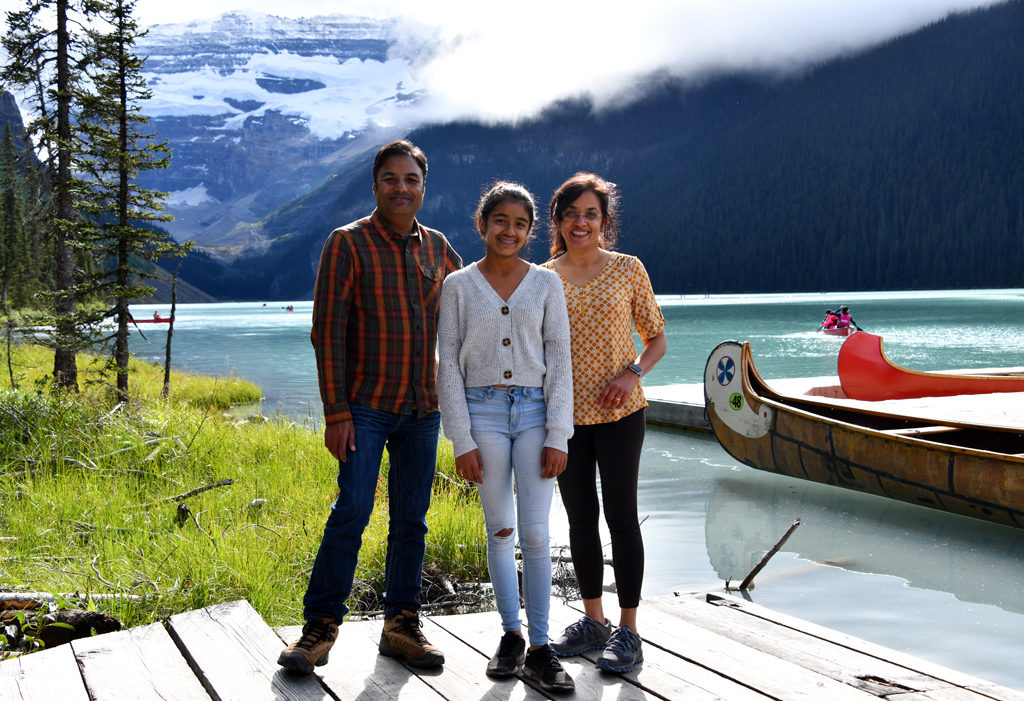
{"x": 830, "y": 320}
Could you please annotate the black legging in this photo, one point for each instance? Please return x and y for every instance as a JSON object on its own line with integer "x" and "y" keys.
{"x": 614, "y": 450}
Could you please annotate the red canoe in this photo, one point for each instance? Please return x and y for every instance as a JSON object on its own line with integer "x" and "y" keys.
{"x": 844, "y": 331}
{"x": 154, "y": 321}
{"x": 866, "y": 373}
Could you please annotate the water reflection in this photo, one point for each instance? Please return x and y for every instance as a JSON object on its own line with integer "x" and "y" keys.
{"x": 970, "y": 559}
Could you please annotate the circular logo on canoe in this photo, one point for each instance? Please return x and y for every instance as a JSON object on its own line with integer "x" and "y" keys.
{"x": 726, "y": 371}
{"x": 736, "y": 401}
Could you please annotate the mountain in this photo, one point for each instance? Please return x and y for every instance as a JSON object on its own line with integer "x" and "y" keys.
{"x": 901, "y": 167}
{"x": 259, "y": 110}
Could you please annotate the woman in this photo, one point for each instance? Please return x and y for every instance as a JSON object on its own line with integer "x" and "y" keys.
{"x": 608, "y": 296}
{"x": 505, "y": 389}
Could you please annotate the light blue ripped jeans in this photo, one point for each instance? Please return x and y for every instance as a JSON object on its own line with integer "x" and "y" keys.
{"x": 508, "y": 426}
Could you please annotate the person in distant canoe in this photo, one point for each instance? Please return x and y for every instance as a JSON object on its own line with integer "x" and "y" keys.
{"x": 156, "y": 316}
{"x": 374, "y": 334}
{"x": 609, "y": 296}
{"x": 830, "y": 320}
{"x": 844, "y": 319}
{"x": 504, "y": 381}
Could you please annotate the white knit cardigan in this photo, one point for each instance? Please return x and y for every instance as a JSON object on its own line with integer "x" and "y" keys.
{"x": 483, "y": 340}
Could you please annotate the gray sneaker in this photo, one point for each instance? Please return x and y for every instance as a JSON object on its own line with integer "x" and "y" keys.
{"x": 585, "y": 634}
{"x": 622, "y": 651}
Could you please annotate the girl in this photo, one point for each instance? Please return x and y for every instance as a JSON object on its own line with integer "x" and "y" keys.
{"x": 505, "y": 389}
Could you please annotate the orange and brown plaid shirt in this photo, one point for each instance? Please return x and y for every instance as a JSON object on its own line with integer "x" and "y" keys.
{"x": 375, "y": 317}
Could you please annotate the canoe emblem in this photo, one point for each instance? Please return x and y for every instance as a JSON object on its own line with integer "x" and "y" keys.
{"x": 724, "y": 397}
{"x": 725, "y": 372}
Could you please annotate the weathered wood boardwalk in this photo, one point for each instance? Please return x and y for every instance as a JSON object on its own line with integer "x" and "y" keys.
{"x": 696, "y": 646}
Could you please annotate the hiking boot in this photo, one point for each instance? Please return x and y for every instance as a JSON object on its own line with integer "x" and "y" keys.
{"x": 622, "y": 651}
{"x": 509, "y": 657}
{"x": 542, "y": 666}
{"x": 312, "y": 647}
{"x": 403, "y": 638}
{"x": 585, "y": 634}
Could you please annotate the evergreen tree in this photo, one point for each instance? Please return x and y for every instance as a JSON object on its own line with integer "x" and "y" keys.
{"x": 43, "y": 62}
{"x": 116, "y": 151}
{"x": 11, "y": 229}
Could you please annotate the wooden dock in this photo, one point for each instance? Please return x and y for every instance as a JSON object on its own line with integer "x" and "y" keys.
{"x": 696, "y": 646}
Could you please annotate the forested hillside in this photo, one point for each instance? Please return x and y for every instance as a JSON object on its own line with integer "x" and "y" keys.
{"x": 899, "y": 167}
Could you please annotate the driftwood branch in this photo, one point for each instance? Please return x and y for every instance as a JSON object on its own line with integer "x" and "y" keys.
{"x": 749, "y": 579}
{"x": 97, "y": 572}
{"x": 28, "y": 599}
{"x": 186, "y": 495}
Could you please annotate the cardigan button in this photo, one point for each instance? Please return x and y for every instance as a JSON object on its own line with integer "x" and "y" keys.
{"x": 507, "y": 374}
{"x": 504, "y": 310}
{"x": 506, "y": 341}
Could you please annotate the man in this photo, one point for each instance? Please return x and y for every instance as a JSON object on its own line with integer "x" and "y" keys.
{"x": 374, "y": 333}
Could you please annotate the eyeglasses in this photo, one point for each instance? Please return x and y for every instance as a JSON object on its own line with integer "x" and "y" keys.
{"x": 589, "y": 216}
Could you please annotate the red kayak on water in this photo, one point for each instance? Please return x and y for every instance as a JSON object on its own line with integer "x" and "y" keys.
{"x": 866, "y": 373}
{"x": 839, "y": 331}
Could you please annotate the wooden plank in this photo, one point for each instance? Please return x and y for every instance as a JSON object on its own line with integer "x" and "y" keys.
{"x": 356, "y": 670}
{"x": 748, "y": 667}
{"x": 234, "y": 654}
{"x": 843, "y": 663}
{"x": 663, "y": 672}
{"x": 139, "y": 663}
{"x": 920, "y": 430}
{"x": 43, "y": 676}
{"x": 953, "y": 693}
{"x": 954, "y": 677}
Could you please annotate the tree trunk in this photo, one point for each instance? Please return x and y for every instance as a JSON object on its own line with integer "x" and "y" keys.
{"x": 170, "y": 331}
{"x": 65, "y": 368}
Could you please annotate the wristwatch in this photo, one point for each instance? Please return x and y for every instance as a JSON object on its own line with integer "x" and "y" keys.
{"x": 635, "y": 368}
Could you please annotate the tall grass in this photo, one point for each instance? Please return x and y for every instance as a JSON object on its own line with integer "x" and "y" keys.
{"x": 87, "y": 497}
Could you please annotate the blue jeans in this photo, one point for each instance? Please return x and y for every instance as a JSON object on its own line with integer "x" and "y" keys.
{"x": 412, "y": 449}
{"x": 508, "y": 426}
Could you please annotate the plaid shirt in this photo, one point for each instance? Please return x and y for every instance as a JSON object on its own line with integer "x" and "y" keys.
{"x": 375, "y": 317}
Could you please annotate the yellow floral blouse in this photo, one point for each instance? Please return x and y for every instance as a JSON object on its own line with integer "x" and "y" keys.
{"x": 602, "y": 316}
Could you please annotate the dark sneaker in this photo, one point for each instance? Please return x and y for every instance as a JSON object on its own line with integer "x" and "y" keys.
{"x": 622, "y": 651}
{"x": 542, "y": 666}
{"x": 403, "y": 638}
{"x": 585, "y": 634}
{"x": 311, "y": 648}
{"x": 509, "y": 657}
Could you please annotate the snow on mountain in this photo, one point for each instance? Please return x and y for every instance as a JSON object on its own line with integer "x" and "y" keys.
{"x": 261, "y": 109}
{"x": 331, "y": 72}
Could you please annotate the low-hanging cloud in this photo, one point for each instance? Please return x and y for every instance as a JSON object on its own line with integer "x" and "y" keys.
{"x": 507, "y": 61}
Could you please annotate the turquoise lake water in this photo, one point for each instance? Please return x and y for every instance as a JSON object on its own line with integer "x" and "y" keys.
{"x": 944, "y": 588}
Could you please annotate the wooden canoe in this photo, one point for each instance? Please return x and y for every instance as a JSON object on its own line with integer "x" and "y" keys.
{"x": 970, "y": 469}
{"x": 866, "y": 373}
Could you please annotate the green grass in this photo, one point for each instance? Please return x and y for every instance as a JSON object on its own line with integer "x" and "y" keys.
{"x": 86, "y": 498}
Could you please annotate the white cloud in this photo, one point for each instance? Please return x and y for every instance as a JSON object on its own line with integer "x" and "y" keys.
{"x": 505, "y": 61}
{"x": 502, "y": 61}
